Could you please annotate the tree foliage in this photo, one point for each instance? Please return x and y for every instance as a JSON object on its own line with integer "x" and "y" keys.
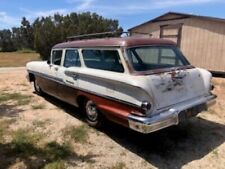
{"x": 45, "y": 32}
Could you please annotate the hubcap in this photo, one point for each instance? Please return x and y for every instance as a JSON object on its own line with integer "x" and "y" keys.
{"x": 91, "y": 110}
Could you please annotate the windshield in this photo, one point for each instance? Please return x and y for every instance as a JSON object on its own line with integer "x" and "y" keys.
{"x": 156, "y": 57}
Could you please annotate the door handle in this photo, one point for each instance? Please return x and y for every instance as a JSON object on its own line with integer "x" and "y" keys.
{"x": 75, "y": 77}
{"x": 56, "y": 68}
{"x": 72, "y": 75}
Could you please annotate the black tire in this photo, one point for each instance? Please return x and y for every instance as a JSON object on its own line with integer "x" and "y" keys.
{"x": 92, "y": 115}
{"x": 37, "y": 88}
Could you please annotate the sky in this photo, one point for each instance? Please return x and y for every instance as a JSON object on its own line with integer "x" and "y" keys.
{"x": 129, "y": 12}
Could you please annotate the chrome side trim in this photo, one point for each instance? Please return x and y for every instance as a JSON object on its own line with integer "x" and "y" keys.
{"x": 60, "y": 81}
{"x": 167, "y": 118}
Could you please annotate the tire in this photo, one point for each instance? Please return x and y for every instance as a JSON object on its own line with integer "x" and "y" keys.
{"x": 37, "y": 88}
{"x": 92, "y": 115}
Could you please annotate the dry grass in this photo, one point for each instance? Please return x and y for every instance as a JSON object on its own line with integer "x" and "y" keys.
{"x": 120, "y": 165}
{"x": 16, "y": 59}
{"x": 19, "y": 98}
{"x": 78, "y": 134}
{"x": 38, "y": 106}
{"x": 53, "y": 136}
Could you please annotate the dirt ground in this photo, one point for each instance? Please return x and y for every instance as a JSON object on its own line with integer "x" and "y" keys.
{"x": 198, "y": 144}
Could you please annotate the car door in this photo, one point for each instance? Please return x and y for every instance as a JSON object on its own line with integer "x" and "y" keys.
{"x": 50, "y": 84}
{"x": 69, "y": 73}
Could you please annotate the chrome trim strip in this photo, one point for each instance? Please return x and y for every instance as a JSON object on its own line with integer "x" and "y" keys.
{"x": 60, "y": 81}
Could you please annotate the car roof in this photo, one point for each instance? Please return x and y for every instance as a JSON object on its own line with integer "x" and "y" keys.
{"x": 114, "y": 42}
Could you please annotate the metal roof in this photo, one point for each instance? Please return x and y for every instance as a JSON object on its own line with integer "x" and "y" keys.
{"x": 180, "y": 16}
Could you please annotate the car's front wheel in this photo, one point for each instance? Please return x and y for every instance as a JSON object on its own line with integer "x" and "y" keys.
{"x": 37, "y": 88}
{"x": 93, "y": 116}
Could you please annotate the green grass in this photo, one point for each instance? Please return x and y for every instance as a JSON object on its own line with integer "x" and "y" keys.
{"x": 26, "y": 51}
{"x": 25, "y": 144}
{"x": 78, "y": 134}
{"x": 56, "y": 165}
{"x": 19, "y": 98}
{"x": 38, "y": 106}
{"x": 23, "y": 141}
{"x": 54, "y": 151}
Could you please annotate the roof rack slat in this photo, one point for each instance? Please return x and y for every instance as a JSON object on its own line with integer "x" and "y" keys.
{"x": 94, "y": 35}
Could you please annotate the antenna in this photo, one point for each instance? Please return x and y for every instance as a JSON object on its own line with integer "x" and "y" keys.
{"x": 96, "y": 35}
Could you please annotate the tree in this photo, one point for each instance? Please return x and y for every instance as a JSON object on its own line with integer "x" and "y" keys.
{"x": 27, "y": 34}
{"x": 49, "y": 31}
{"x": 6, "y": 42}
{"x": 45, "y": 32}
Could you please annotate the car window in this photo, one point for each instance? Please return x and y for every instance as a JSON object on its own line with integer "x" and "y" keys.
{"x": 156, "y": 57}
{"x": 72, "y": 59}
{"x": 56, "y": 57}
{"x": 103, "y": 60}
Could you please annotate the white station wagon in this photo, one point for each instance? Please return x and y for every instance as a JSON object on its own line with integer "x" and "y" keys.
{"x": 141, "y": 83}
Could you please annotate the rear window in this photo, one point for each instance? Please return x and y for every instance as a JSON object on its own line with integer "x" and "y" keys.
{"x": 103, "y": 59}
{"x": 156, "y": 57}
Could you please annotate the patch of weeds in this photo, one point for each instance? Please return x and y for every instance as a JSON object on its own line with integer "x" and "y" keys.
{"x": 26, "y": 51}
{"x": 5, "y": 89}
{"x": 24, "y": 142}
{"x": 39, "y": 123}
{"x": 212, "y": 111}
{"x": 23, "y": 84}
{"x": 38, "y": 106}
{"x": 54, "y": 151}
{"x": 120, "y": 165}
{"x": 123, "y": 153}
{"x": 4, "y": 126}
{"x": 78, "y": 134}
{"x": 19, "y": 98}
{"x": 215, "y": 153}
{"x": 56, "y": 165}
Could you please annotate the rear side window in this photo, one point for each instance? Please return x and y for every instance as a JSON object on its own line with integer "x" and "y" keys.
{"x": 56, "y": 57}
{"x": 156, "y": 57}
{"x": 72, "y": 59}
{"x": 103, "y": 59}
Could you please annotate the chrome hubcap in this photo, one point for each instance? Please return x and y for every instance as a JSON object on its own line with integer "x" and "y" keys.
{"x": 92, "y": 112}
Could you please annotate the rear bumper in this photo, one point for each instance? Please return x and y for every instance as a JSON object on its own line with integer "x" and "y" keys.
{"x": 173, "y": 116}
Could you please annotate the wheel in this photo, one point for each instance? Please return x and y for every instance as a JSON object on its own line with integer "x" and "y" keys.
{"x": 93, "y": 116}
{"x": 37, "y": 88}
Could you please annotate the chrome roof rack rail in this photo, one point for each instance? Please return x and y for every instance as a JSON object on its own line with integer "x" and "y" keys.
{"x": 96, "y": 35}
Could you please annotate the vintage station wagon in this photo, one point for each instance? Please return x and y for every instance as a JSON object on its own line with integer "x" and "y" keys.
{"x": 141, "y": 83}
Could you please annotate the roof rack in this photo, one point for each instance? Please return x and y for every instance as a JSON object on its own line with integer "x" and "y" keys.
{"x": 96, "y": 35}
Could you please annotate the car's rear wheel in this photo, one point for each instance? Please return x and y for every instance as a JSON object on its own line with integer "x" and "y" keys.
{"x": 37, "y": 88}
{"x": 93, "y": 116}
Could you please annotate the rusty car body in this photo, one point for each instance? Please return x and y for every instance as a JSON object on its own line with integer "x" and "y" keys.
{"x": 141, "y": 83}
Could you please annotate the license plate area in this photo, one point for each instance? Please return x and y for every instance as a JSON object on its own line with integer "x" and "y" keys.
{"x": 191, "y": 112}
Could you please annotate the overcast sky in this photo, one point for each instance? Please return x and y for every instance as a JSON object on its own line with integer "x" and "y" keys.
{"x": 128, "y": 12}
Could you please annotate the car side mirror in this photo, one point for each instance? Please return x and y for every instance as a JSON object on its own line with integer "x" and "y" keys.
{"x": 48, "y": 62}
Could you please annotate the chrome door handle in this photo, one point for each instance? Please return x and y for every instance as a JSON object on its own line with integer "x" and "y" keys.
{"x": 72, "y": 75}
{"x": 75, "y": 77}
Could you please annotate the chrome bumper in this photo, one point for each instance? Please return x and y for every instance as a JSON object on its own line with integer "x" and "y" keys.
{"x": 170, "y": 117}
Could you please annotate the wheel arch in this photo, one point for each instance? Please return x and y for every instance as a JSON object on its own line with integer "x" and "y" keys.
{"x": 31, "y": 77}
{"x": 81, "y": 100}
